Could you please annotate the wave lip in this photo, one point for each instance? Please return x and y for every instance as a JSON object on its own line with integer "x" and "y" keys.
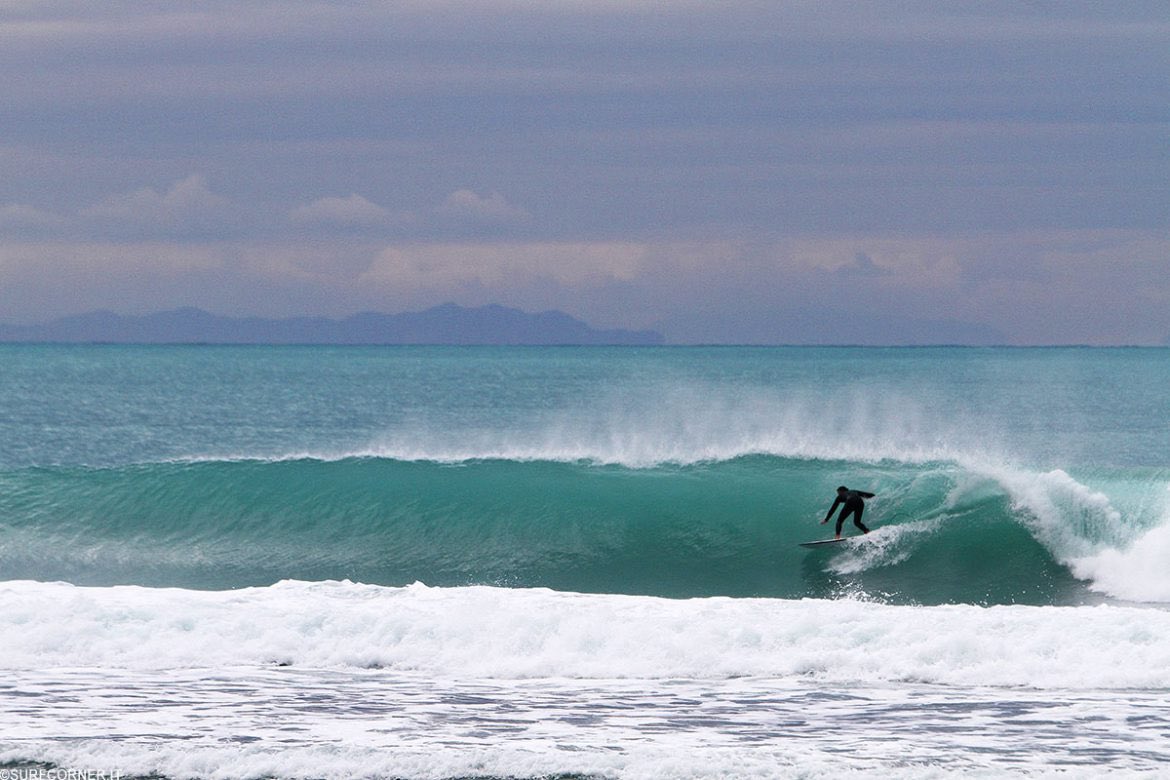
{"x": 534, "y": 633}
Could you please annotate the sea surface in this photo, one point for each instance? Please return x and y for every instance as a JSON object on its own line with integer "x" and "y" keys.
{"x": 464, "y": 562}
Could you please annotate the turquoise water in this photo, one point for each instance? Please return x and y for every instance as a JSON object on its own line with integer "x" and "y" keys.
{"x": 726, "y": 528}
{"x": 664, "y": 471}
{"x": 305, "y": 562}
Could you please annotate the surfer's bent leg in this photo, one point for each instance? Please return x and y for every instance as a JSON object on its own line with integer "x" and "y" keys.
{"x": 845, "y": 512}
{"x": 857, "y": 519}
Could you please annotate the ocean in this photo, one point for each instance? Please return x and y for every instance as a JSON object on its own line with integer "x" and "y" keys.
{"x": 582, "y": 562}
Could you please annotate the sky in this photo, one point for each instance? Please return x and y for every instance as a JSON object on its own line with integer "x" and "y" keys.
{"x": 741, "y": 171}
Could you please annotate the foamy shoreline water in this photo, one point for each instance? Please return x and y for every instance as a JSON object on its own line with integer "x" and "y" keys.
{"x": 301, "y": 723}
{"x": 504, "y": 633}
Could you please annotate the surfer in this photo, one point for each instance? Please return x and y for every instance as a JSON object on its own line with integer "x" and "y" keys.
{"x": 854, "y": 505}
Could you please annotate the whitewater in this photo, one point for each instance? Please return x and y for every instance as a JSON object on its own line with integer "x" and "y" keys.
{"x": 424, "y": 562}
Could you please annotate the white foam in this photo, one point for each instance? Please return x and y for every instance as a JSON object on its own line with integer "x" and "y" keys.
{"x": 1117, "y": 553}
{"x": 1138, "y": 571}
{"x": 503, "y": 633}
{"x": 885, "y": 546}
{"x": 655, "y": 758}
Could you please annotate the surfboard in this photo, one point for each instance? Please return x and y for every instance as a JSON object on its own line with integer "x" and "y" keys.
{"x": 826, "y": 541}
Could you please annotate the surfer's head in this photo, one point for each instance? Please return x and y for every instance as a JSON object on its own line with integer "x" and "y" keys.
{"x": 842, "y": 489}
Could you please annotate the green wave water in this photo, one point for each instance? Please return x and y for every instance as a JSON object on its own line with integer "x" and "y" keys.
{"x": 945, "y": 533}
{"x": 1003, "y": 476}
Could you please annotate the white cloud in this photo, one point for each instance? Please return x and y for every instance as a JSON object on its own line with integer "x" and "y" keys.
{"x": 187, "y": 205}
{"x": 549, "y": 148}
{"x": 19, "y": 217}
{"x": 354, "y": 211}
{"x": 430, "y": 266}
{"x": 468, "y": 206}
{"x": 1112, "y": 286}
{"x": 461, "y": 212}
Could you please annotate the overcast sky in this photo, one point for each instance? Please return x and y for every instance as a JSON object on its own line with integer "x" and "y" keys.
{"x": 742, "y": 171}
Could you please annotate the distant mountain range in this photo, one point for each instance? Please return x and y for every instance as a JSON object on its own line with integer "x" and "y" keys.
{"x": 446, "y": 324}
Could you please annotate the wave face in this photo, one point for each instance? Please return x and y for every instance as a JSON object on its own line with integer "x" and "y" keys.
{"x": 1003, "y": 476}
{"x": 943, "y": 532}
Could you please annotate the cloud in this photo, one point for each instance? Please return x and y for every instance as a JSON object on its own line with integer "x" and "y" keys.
{"x": 188, "y": 206}
{"x": 462, "y": 213}
{"x": 863, "y": 267}
{"x": 469, "y": 208}
{"x": 498, "y": 265}
{"x": 18, "y": 218}
{"x": 354, "y": 211}
{"x": 1112, "y": 287}
{"x": 186, "y": 209}
{"x": 630, "y": 158}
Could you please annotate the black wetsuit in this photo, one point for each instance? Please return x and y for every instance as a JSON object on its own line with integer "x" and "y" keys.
{"x": 853, "y": 506}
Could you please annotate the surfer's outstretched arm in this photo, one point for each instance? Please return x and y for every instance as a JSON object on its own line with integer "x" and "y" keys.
{"x": 832, "y": 509}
